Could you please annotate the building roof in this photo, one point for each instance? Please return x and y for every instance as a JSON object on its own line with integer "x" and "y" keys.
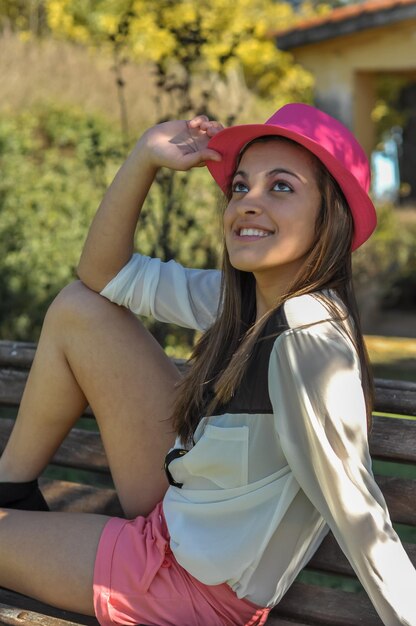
{"x": 345, "y": 21}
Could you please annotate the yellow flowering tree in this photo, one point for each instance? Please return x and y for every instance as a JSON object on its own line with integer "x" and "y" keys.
{"x": 193, "y": 45}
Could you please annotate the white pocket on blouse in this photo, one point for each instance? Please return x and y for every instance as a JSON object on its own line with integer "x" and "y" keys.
{"x": 221, "y": 456}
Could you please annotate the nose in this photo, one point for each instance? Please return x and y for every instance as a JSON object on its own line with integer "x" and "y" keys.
{"x": 250, "y": 204}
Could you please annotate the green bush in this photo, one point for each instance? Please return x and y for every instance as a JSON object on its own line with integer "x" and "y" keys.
{"x": 54, "y": 165}
{"x": 387, "y": 262}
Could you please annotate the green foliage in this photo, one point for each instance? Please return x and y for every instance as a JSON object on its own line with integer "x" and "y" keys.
{"x": 388, "y": 259}
{"x": 401, "y": 292}
{"x": 56, "y": 164}
{"x": 51, "y": 183}
{"x": 23, "y": 16}
{"x": 387, "y": 113}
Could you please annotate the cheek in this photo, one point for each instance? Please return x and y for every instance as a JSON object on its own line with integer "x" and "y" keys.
{"x": 310, "y": 226}
{"x": 310, "y": 220}
{"x": 315, "y": 218}
{"x": 227, "y": 218}
{"x": 300, "y": 229}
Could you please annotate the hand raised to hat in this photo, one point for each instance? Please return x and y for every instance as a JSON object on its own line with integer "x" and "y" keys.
{"x": 181, "y": 144}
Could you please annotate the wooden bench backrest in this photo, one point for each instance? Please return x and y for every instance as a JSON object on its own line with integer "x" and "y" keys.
{"x": 307, "y": 602}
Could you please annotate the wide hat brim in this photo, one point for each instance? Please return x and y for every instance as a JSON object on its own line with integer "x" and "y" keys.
{"x": 230, "y": 141}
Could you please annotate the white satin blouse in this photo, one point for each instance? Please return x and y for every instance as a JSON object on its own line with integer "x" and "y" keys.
{"x": 262, "y": 487}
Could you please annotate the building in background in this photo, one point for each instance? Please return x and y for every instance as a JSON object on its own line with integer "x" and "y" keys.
{"x": 348, "y": 50}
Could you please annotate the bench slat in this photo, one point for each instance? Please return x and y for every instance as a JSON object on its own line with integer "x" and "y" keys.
{"x": 17, "y": 617}
{"x": 391, "y": 439}
{"x": 18, "y": 354}
{"x": 330, "y": 557}
{"x": 327, "y": 607}
{"x": 392, "y": 396}
{"x": 81, "y": 449}
{"x": 70, "y": 497}
{"x": 281, "y": 621}
{"x": 12, "y": 616}
{"x": 396, "y": 385}
{"x": 12, "y": 384}
{"x": 400, "y": 495}
{"x": 16, "y": 610}
{"x": 401, "y": 402}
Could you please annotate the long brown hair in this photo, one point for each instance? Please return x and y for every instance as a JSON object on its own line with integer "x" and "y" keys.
{"x": 220, "y": 357}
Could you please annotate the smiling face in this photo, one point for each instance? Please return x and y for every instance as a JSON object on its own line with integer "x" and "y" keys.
{"x": 269, "y": 223}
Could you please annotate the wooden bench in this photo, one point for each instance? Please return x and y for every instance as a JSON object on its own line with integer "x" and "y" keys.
{"x": 311, "y": 600}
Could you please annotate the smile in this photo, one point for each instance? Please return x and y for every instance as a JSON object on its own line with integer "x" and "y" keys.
{"x": 252, "y": 234}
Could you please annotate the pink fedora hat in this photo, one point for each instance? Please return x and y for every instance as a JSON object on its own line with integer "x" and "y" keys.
{"x": 328, "y": 139}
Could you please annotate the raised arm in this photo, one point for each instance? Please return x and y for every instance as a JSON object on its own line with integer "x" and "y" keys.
{"x": 178, "y": 145}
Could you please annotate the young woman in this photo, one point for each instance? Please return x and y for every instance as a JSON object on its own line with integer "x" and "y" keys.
{"x": 267, "y": 441}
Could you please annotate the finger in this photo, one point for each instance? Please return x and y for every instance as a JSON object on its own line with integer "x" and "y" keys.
{"x": 216, "y": 124}
{"x": 211, "y": 124}
{"x": 198, "y": 159}
{"x": 198, "y": 120}
{"x": 214, "y": 129}
{"x": 209, "y": 155}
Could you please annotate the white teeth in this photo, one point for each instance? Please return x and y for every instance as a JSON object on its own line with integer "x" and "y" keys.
{"x": 253, "y": 232}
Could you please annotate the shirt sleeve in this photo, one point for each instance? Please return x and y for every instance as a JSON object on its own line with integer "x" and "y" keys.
{"x": 167, "y": 291}
{"x": 318, "y": 402}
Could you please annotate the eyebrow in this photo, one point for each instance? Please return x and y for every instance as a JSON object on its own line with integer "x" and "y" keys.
{"x": 277, "y": 170}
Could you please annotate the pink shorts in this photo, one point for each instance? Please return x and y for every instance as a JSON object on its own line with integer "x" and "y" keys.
{"x": 138, "y": 581}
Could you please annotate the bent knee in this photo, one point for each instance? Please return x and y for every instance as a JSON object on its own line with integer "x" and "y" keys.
{"x": 76, "y": 303}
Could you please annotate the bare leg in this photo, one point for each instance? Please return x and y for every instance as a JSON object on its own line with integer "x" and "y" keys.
{"x": 50, "y": 556}
{"x": 92, "y": 350}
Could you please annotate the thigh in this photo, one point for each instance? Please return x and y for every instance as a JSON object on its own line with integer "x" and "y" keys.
{"x": 50, "y": 556}
{"x": 130, "y": 384}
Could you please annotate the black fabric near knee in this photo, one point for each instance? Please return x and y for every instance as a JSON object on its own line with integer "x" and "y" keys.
{"x": 24, "y": 496}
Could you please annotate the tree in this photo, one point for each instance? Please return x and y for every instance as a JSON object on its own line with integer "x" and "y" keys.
{"x": 217, "y": 58}
{"x": 193, "y": 46}
{"x": 208, "y": 57}
{"x": 23, "y": 16}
